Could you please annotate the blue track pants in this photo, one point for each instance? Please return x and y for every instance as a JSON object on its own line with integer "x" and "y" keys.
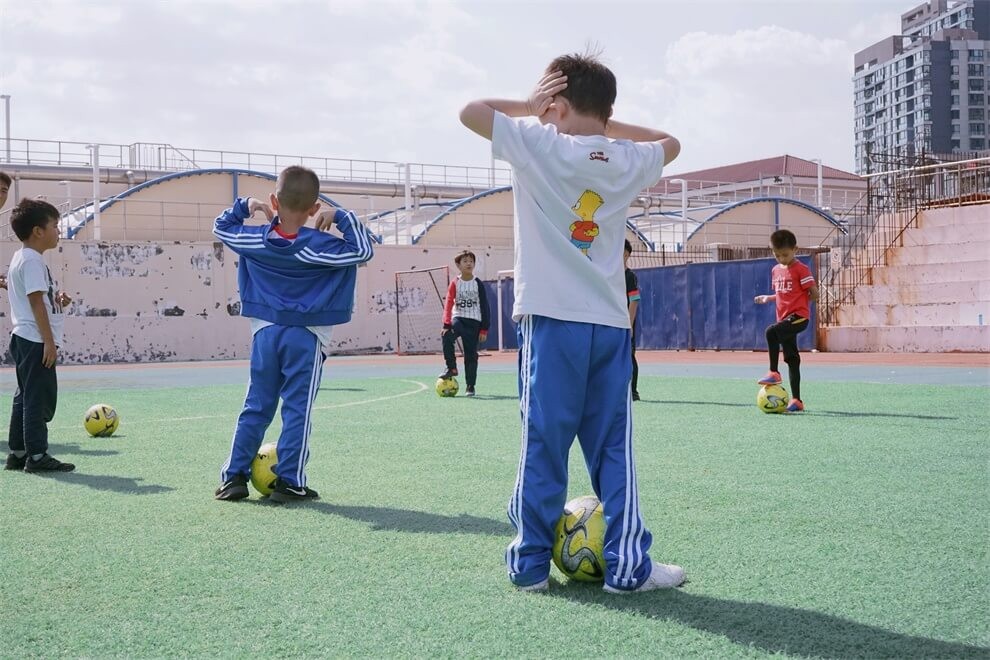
{"x": 286, "y": 363}
{"x": 574, "y": 381}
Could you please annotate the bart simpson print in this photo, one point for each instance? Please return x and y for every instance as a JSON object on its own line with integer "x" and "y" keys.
{"x": 584, "y": 231}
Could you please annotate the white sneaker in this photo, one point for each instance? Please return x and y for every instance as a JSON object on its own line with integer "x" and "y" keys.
{"x": 663, "y": 576}
{"x": 539, "y": 586}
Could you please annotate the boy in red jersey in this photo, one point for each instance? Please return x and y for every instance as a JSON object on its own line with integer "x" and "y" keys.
{"x": 793, "y": 290}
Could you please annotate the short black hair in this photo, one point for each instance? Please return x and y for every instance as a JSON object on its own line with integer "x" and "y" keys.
{"x": 297, "y": 188}
{"x": 628, "y": 246}
{"x": 591, "y": 86}
{"x": 465, "y": 253}
{"x": 783, "y": 238}
{"x": 31, "y": 213}
{"x": 4, "y": 178}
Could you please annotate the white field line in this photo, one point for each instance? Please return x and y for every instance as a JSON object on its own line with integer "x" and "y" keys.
{"x": 420, "y": 387}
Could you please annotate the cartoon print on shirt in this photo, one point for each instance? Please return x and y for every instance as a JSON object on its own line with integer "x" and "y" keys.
{"x": 584, "y": 231}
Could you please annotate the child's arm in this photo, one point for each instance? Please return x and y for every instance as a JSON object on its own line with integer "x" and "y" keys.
{"x": 763, "y": 300}
{"x": 353, "y": 248}
{"x": 485, "y": 313}
{"x": 448, "y": 306}
{"x": 813, "y": 293}
{"x": 479, "y": 116}
{"x": 229, "y": 225}
{"x": 37, "y": 301}
{"x": 620, "y": 131}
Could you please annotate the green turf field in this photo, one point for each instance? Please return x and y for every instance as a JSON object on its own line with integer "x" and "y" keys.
{"x": 859, "y": 528}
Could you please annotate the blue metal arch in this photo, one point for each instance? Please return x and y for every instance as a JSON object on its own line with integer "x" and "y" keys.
{"x": 456, "y": 205}
{"x": 189, "y": 173}
{"x": 777, "y": 202}
{"x": 467, "y": 200}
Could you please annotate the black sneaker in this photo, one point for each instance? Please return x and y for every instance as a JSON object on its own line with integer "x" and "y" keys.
{"x": 449, "y": 373}
{"x": 470, "y": 392}
{"x": 635, "y": 396}
{"x": 286, "y": 492}
{"x": 15, "y": 463}
{"x": 47, "y": 463}
{"x": 234, "y": 488}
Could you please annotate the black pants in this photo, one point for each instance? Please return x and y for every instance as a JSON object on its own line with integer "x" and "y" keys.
{"x": 635, "y": 377}
{"x": 468, "y": 330}
{"x": 34, "y": 400}
{"x": 784, "y": 335}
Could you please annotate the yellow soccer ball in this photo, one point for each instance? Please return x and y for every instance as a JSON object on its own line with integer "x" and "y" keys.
{"x": 447, "y": 387}
{"x": 263, "y": 469}
{"x": 772, "y": 399}
{"x": 101, "y": 420}
{"x": 579, "y": 547}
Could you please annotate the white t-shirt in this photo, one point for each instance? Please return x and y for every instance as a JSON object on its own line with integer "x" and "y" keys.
{"x": 28, "y": 273}
{"x": 571, "y": 197}
{"x": 467, "y": 304}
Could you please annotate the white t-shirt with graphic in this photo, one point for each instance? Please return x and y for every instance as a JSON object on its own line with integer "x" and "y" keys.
{"x": 467, "y": 304}
{"x": 28, "y": 273}
{"x": 571, "y": 197}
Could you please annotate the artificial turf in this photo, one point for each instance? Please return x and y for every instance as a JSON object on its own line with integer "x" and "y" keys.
{"x": 858, "y": 528}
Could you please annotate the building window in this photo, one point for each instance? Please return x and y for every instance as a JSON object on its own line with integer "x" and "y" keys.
{"x": 955, "y": 128}
{"x": 977, "y": 129}
{"x": 953, "y": 114}
{"x": 976, "y": 114}
{"x": 976, "y": 99}
{"x": 953, "y": 84}
{"x": 954, "y": 144}
{"x": 954, "y": 99}
{"x": 976, "y": 69}
{"x": 955, "y": 69}
{"x": 976, "y": 54}
{"x": 953, "y": 54}
{"x": 976, "y": 85}
{"x": 977, "y": 144}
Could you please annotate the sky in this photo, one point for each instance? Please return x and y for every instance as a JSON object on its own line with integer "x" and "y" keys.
{"x": 734, "y": 80}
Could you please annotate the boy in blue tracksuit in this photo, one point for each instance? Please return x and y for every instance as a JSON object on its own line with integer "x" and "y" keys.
{"x": 295, "y": 283}
{"x": 575, "y": 171}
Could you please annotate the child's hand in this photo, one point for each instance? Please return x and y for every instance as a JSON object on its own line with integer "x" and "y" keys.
{"x": 3, "y": 281}
{"x": 49, "y": 355}
{"x": 761, "y": 300}
{"x": 324, "y": 219}
{"x": 255, "y": 205}
{"x": 63, "y": 298}
{"x": 482, "y": 336}
{"x": 444, "y": 331}
{"x": 541, "y": 97}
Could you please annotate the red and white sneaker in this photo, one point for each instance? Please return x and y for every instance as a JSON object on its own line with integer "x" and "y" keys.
{"x": 772, "y": 378}
{"x": 795, "y": 406}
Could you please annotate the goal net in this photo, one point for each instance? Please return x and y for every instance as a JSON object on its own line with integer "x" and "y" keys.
{"x": 419, "y": 297}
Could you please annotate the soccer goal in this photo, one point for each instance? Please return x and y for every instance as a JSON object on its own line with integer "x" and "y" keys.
{"x": 419, "y": 297}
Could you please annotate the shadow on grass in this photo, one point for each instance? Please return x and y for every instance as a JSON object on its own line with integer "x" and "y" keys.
{"x": 772, "y": 628}
{"x": 76, "y": 450}
{"x": 125, "y": 485}
{"x": 822, "y": 413}
{"x": 404, "y": 520}
{"x": 342, "y": 389}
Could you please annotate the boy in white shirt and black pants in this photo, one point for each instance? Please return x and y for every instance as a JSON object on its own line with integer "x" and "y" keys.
{"x": 37, "y": 318}
{"x": 465, "y": 315}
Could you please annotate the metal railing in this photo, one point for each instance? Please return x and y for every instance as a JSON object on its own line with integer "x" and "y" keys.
{"x": 893, "y": 204}
{"x": 167, "y": 158}
{"x": 702, "y": 192}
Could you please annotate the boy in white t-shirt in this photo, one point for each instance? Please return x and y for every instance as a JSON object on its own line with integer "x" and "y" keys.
{"x": 37, "y": 319}
{"x": 575, "y": 172}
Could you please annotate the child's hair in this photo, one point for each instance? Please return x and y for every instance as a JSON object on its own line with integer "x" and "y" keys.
{"x": 31, "y": 213}
{"x": 297, "y": 188}
{"x": 628, "y": 246}
{"x": 465, "y": 253}
{"x": 590, "y": 84}
{"x": 783, "y": 238}
{"x": 4, "y": 178}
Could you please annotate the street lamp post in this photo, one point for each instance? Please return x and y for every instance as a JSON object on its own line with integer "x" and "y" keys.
{"x": 684, "y": 205}
{"x": 820, "y": 191}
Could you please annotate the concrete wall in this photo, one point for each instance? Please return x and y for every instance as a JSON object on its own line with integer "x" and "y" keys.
{"x": 751, "y": 225}
{"x": 155, "y": 301}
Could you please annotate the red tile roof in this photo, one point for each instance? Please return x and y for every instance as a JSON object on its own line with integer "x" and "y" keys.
{"x": 767, "y": 167}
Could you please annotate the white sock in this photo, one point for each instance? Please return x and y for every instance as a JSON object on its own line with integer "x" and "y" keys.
{"x": 36, "y": 457}
{"x": 19, "y": 454}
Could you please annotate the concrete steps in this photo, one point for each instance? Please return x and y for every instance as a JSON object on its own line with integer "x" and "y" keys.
{"x": 934, "y": 296}
{"x": 909, "y": 339}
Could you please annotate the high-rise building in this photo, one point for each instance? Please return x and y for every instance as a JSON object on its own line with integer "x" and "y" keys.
{"x": 927, "y": 89}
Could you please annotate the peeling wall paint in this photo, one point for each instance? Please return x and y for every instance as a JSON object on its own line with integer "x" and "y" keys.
{"x": 172, "y": 301}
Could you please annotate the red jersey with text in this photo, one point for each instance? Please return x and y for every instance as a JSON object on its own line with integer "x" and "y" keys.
{"x": 790, "y": 286}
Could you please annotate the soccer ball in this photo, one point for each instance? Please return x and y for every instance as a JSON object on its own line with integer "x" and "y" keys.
{"x": 447, "y": 386}
{"x": 263, "y": 469}
{"x": 578, "y": 550}
{"x": 101, "y": 420}
{"x": 772, "y": 399}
